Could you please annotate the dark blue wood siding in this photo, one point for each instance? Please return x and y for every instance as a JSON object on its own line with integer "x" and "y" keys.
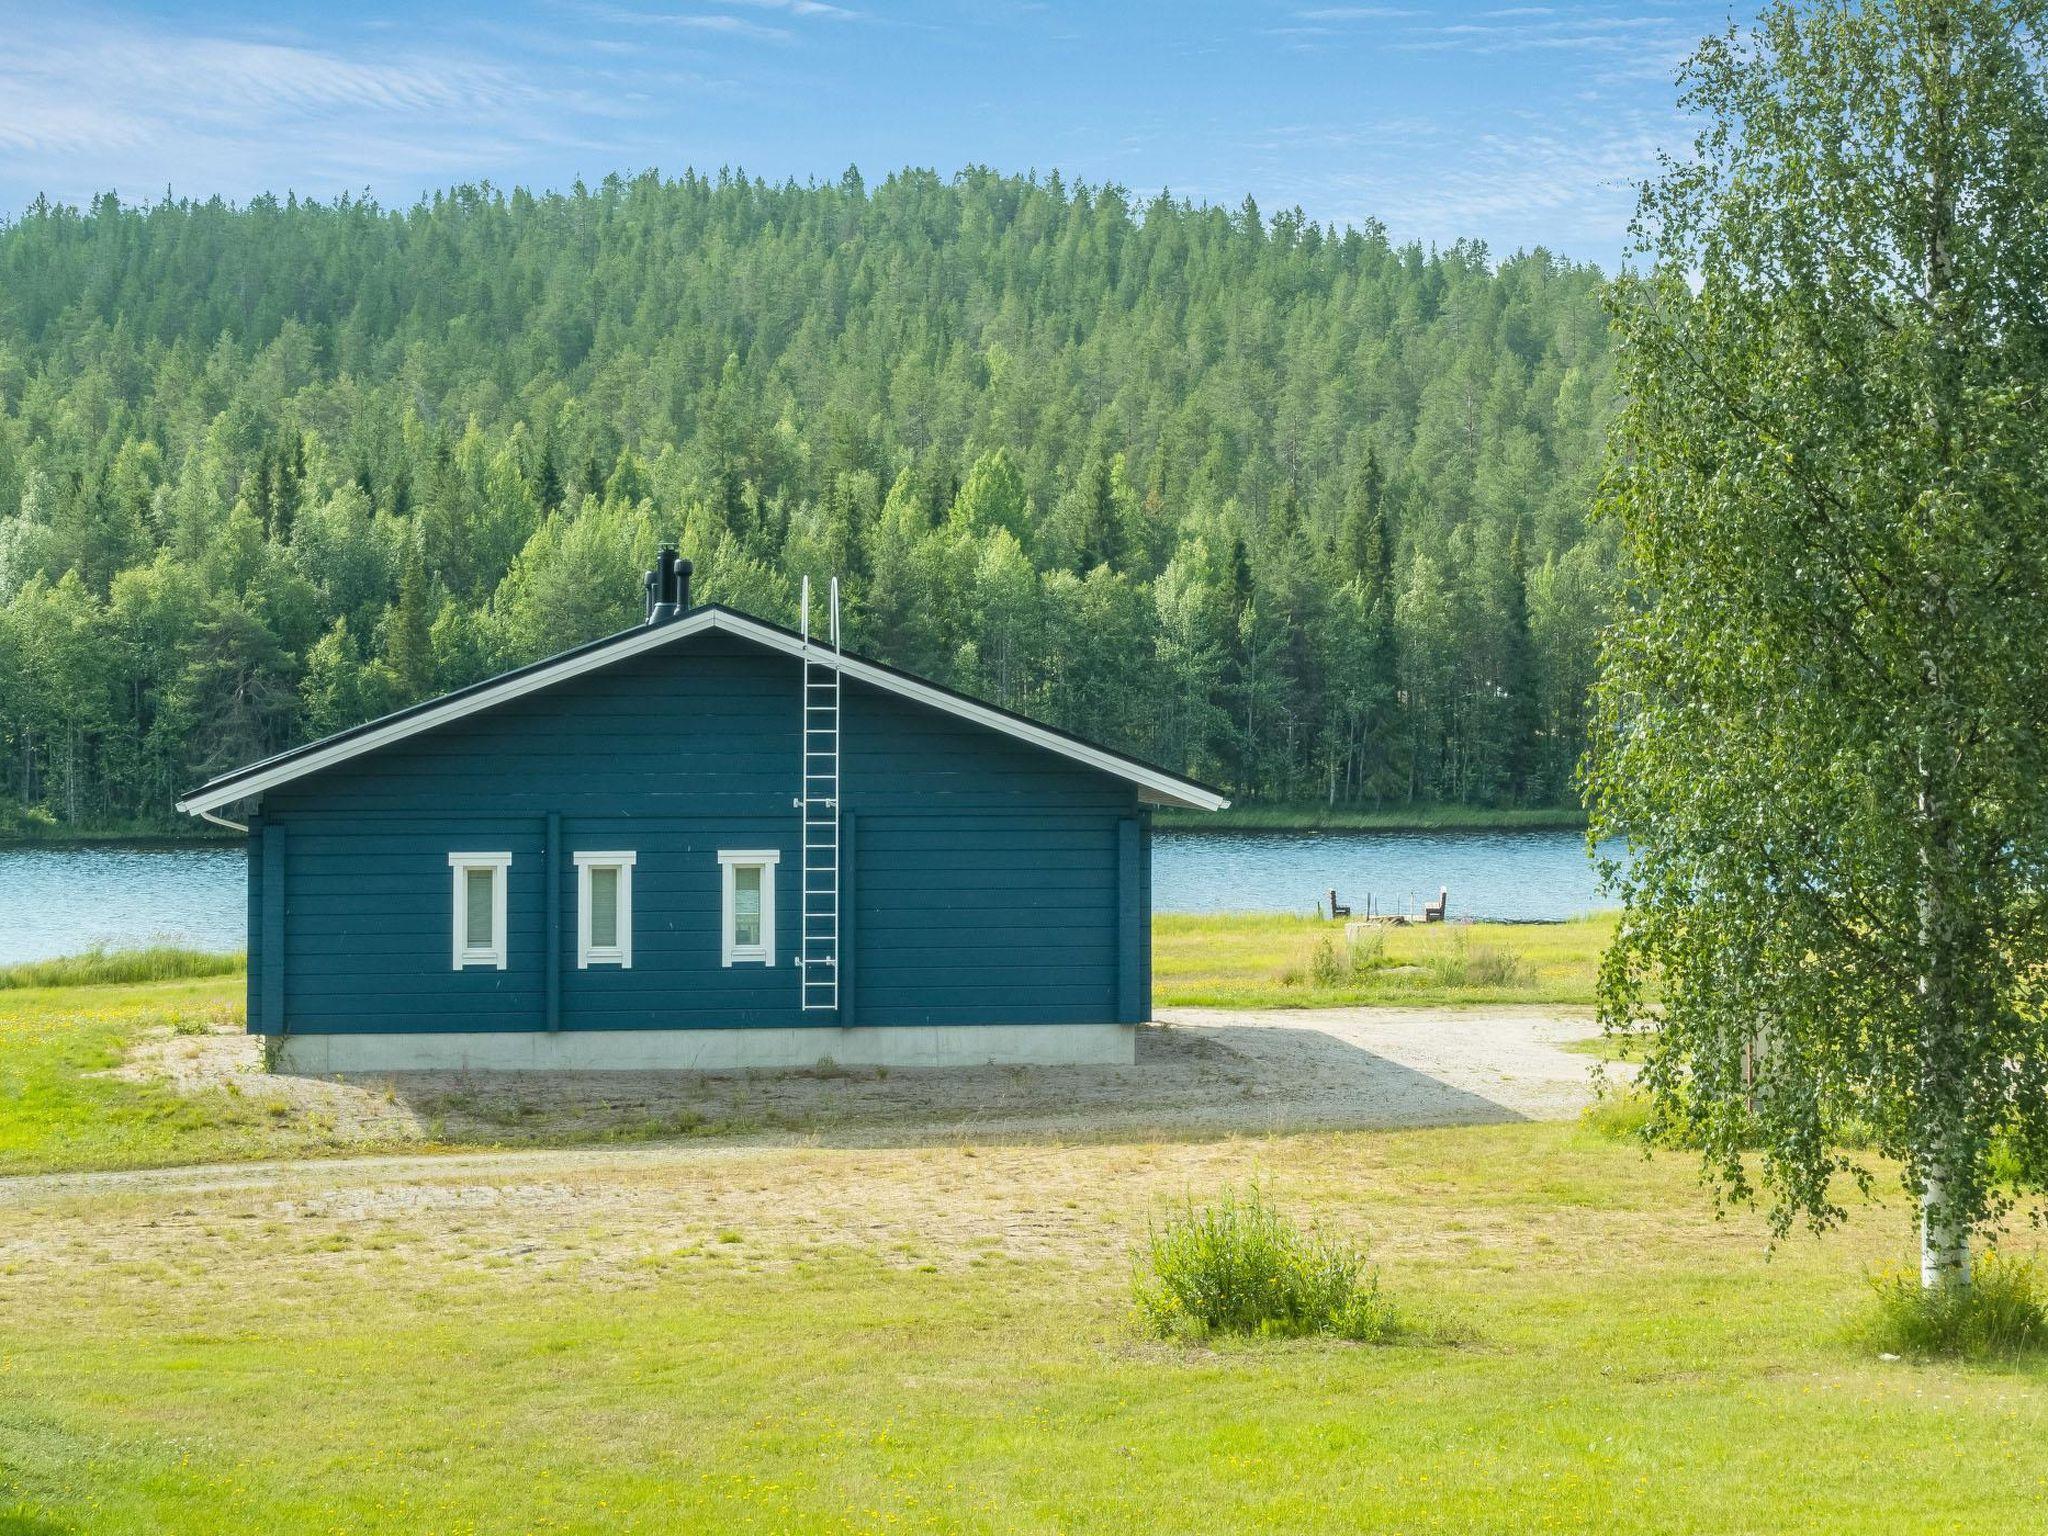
{"x": 257, "y": 1019}
{"x": 987, "y": 881}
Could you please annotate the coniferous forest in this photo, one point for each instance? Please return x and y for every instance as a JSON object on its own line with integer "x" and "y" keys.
{"x": 1293, "y": 509}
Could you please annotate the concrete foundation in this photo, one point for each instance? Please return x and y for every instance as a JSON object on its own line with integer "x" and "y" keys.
{"x": 714, "y": 1050}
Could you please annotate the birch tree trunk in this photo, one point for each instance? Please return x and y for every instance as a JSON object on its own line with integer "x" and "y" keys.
{"x": 1944, "y": 1234}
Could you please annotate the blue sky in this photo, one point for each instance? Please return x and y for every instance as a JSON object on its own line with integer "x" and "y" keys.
{"x": 1519, "y": 124}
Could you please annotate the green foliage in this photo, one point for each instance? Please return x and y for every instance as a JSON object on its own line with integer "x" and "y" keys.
{"x": 1368, "y": 954}
{"x": 2000, "y": 1314}
{"x": 1332, "y": 965}
{"x": 1466, "y": 964}
{"x": 1621, "y": 1113}
{"x": 1281, "y": 505}
{"x": 1823, "y": 714}
{"x": 104, "y": 967}
{"x": 1324, "y": 968}
{"x": 1241, "y": 1267}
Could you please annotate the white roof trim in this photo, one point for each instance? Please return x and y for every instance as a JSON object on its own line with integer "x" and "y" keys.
{"x": 1158, "y": 787}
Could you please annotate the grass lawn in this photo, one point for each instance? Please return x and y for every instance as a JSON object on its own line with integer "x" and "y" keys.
{"x": 1268, "y": 960}
{"x": 61, "y": 1108}
{"x": 940, "y": 1340}
{"x": 934, "y": 1338}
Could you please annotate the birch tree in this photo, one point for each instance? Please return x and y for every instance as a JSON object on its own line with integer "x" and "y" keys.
{"x": 1823, "y": 720}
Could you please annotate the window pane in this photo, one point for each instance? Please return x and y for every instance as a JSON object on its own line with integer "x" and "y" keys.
{"x": 477, "y": 922}
{"x": 746, "y": 905}
{"x": 604, "y": 906}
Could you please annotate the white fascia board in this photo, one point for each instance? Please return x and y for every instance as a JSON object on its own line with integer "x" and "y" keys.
{"x": 1156, "y": 787}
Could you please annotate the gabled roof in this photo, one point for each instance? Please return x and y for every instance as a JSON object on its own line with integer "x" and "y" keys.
{"x": 1155, "y": 784}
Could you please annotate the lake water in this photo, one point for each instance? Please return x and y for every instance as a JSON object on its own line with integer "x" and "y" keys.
{"x": 1533, "y": 876}
{"x": 57, "y": 901}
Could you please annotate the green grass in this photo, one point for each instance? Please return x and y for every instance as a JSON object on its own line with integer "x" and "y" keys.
{"x": 61, "y": 1109}
{"x": 1630, "y": 1047}
{"x": 941, "y": 1340}
{"x": 1241, "y": 1266}
{"x": 104, "y": 967}
{"x": 1268, "y": 960}
{"x": 1311, "y": 816}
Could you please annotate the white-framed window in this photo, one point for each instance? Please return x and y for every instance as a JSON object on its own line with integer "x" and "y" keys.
{"x": 747, "y": 926}
{"x": 479, "y": 907}
{"x": 604, "y": 910}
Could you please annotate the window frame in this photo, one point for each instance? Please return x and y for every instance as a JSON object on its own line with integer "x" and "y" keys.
{"x": 620, "y": 953}
{"x": 460, "y": 866}
{"x": 729, "y": 860}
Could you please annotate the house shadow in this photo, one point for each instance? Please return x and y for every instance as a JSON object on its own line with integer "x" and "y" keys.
{"x": 1188, "y": 1082}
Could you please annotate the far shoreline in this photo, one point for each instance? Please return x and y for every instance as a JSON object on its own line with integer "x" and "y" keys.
{"x": 1413, "y": 818}
{"x": 69, "y": 840}
{"x": 1284, "y": 817}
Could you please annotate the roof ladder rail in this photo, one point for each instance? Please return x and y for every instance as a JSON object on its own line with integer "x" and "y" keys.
{"x": 818, "y": 806}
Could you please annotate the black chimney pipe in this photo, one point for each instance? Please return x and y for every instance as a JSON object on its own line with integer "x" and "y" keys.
{"x": 668, "y": 587}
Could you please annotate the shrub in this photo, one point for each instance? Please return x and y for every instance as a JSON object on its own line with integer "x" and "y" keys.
{"x": 1331, "y": 966}
{"x": 1624, "y": 1112}
{"x": 99, "y": 967}
{"x": 1324, "y": 968}
{"x": 1620, "y": 1113}
{"x": 1465, "y": 964}
{"x": 1368, "y": 954}
{"x": 1241, "y": 1267}
{"x": 1999, "y": 1314}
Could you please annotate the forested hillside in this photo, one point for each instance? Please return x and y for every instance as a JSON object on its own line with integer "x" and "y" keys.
{"x": 1297, "y": 511}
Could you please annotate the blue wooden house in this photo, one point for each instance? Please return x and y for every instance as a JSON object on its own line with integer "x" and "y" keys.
{"x": 705, "y": 842}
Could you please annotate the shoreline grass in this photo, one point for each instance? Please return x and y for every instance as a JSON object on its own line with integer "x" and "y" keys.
{"x": 1276, "y": 960}
{"x": 1220, "y": 960}
{"x": 1309, "y": 816}
{"x": 18, "y": 836}
{"x": 122, "y": 967}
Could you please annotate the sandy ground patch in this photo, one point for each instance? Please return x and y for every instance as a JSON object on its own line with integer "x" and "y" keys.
{"x": 1204, "y": 1071}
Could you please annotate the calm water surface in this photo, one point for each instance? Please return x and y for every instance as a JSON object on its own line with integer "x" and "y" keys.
{"x": 1534, "y": 876}
{"x": 58, "y": 901}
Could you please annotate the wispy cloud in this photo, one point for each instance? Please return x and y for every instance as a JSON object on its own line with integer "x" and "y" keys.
{"x": 803, "y": 8}
{"x": 259, "y": 112}
{"x": 720, "y": 19}
{"x": 1357, "y": 13}
{"x": 1563, "y": 180}
{"x": 1543, "y": 28}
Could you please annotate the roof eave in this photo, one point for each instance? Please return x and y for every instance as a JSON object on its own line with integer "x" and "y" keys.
{"x": 1154, "y": 785}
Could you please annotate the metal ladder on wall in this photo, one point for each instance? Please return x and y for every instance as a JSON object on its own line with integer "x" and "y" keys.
{"x": 818, "y": 950}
